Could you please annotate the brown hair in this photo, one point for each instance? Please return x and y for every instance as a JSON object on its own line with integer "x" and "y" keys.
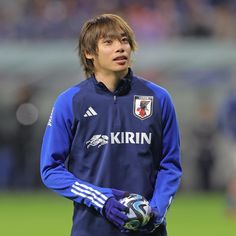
{"x": 100, "y": 27}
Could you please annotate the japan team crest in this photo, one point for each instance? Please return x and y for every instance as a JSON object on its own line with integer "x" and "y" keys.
{"x": 143, "y": 106}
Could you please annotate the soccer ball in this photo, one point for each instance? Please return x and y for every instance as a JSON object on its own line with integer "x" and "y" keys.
{"x": 139, "y": 211}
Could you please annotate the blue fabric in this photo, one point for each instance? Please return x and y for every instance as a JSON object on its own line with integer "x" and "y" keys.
{"x": 114, "y": 211}
{"x": 108, "y": 144}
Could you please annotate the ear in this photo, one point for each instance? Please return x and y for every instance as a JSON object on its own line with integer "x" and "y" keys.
{"x": 89, "y": 56}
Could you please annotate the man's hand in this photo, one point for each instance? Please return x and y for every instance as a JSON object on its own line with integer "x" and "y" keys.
{"x": 152, "y": 224}
{"x": 114, "y": 210}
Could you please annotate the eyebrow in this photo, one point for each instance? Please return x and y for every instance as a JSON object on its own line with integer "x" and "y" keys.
{"x": 113, "y": 35}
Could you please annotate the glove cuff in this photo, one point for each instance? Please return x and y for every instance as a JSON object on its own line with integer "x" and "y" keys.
{"x": 119, "y": 194}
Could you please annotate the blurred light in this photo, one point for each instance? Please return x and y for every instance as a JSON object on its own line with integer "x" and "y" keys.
{"x": 27, "y": 114}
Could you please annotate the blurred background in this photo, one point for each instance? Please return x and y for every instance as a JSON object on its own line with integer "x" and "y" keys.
{"x": 186, "y": 46}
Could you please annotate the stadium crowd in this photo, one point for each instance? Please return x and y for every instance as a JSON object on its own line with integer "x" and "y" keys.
{"x": 151, "y": 20}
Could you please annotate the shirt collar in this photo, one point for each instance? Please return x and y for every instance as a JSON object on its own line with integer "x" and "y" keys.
{"x": 123, "y": 87}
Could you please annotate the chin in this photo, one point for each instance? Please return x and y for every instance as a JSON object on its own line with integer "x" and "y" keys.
{"x": 121, "y": 69}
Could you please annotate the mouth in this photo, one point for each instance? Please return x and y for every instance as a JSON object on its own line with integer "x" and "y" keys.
{"x": 120, "y": 58}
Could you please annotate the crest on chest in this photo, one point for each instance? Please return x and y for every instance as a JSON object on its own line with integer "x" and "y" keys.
{"x": 143, "y": 106}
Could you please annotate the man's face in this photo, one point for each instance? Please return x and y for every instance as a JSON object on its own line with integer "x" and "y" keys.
{"x": 113, "y": 55}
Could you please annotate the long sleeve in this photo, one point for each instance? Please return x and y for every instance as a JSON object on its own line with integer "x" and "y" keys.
{"x": 56, "y": 146}
{"x": 169, "y": 173}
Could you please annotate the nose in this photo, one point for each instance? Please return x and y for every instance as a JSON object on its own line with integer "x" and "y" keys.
{"x": 119, "y": 46}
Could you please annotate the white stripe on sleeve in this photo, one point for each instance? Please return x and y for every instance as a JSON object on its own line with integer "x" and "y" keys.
{"x": 92, "y": 190}
{"x": 85, "y": 191}
{"x": 88, "y": 197}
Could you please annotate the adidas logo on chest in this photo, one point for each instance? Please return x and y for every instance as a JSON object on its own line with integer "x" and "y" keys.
{"x": 90, "y": 112}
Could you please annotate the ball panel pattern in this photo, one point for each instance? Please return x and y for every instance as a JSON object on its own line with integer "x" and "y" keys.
{"x": 139, "y": 211}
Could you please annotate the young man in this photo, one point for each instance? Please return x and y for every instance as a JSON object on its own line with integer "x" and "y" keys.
{"x": 118, "y": 133}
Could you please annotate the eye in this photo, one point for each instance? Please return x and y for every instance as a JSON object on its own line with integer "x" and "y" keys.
{"x": 107, "y": 41}
{"x": 124, "y": 39}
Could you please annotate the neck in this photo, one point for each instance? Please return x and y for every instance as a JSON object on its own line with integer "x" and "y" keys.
{"x": 111, "y": 80}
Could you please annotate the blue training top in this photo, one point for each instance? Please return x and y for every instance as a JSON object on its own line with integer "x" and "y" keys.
{"x": 127, "y": 140}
